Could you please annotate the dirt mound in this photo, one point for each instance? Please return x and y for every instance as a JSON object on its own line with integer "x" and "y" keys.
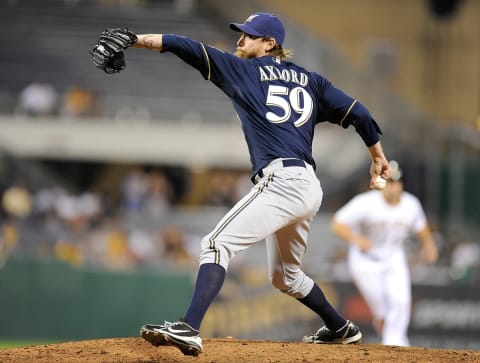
{"x": 123, "y": 350}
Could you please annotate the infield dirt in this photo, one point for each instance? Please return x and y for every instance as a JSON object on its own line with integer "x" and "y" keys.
{"x": 123, "y": 350}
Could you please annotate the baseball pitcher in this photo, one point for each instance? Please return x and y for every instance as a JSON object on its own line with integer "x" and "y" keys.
{"x": 278, "y": 104}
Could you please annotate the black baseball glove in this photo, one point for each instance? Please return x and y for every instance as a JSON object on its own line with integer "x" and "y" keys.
{"x": 107, "y": 54}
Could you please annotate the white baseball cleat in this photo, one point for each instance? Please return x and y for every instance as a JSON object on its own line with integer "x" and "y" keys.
{"x": 179, "y": 334}
{"x": 348, "y": 334}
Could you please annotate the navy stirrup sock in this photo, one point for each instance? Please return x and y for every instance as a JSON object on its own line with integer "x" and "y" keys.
{"x": 210, "y": 280}
{"x": 317, "y": 302}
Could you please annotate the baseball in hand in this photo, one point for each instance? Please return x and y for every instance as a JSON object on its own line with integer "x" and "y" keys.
{"x": 380, "y": 183}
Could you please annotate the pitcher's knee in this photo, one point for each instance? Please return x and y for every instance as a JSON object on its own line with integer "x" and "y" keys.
{"x": 296, "y": 285}
{"x": 216, "y": 253}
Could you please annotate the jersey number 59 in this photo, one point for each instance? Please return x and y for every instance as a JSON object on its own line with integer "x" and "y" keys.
{"x": 299, "y": 100}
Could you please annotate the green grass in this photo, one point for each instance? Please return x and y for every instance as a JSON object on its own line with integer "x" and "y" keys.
{"x": 9, "y": 344}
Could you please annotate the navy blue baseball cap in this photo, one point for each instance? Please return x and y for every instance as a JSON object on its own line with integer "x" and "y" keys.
{"x": 262, "y": 25}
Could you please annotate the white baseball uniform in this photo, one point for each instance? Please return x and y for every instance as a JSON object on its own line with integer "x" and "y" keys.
{"x": 382, "y": 274}
{"x": 257, "y": 216}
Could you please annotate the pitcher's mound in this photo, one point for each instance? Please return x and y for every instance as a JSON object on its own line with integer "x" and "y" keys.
{"x": 123, "y": 350}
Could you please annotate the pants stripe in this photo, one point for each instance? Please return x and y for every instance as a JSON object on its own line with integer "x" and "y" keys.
{"x": 233, "y": 215}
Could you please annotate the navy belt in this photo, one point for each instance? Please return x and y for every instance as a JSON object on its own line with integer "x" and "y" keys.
{"x": 286, "y": 163}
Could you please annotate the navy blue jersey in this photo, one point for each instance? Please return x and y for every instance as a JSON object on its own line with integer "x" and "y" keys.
{"x": 277, "y": 102}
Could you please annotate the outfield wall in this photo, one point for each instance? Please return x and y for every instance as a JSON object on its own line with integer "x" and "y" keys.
{"x": 57, "y": 302}
{"x": 54, "y": 301}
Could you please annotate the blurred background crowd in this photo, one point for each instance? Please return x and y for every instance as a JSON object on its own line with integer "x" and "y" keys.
{"x": 73, "y": 190}
{"x": 126, "y": 224}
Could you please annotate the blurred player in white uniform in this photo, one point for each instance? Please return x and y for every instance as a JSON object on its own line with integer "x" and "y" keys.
{"x": 376, "y": 224}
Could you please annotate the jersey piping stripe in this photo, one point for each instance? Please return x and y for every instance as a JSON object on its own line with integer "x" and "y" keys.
{"x": 234, "y": 214}
{"x": 348, "y": 111}
{"x": 208, "y": 60}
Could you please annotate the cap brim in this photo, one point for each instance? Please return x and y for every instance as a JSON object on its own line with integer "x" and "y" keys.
{"x": 244, "y": 28}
